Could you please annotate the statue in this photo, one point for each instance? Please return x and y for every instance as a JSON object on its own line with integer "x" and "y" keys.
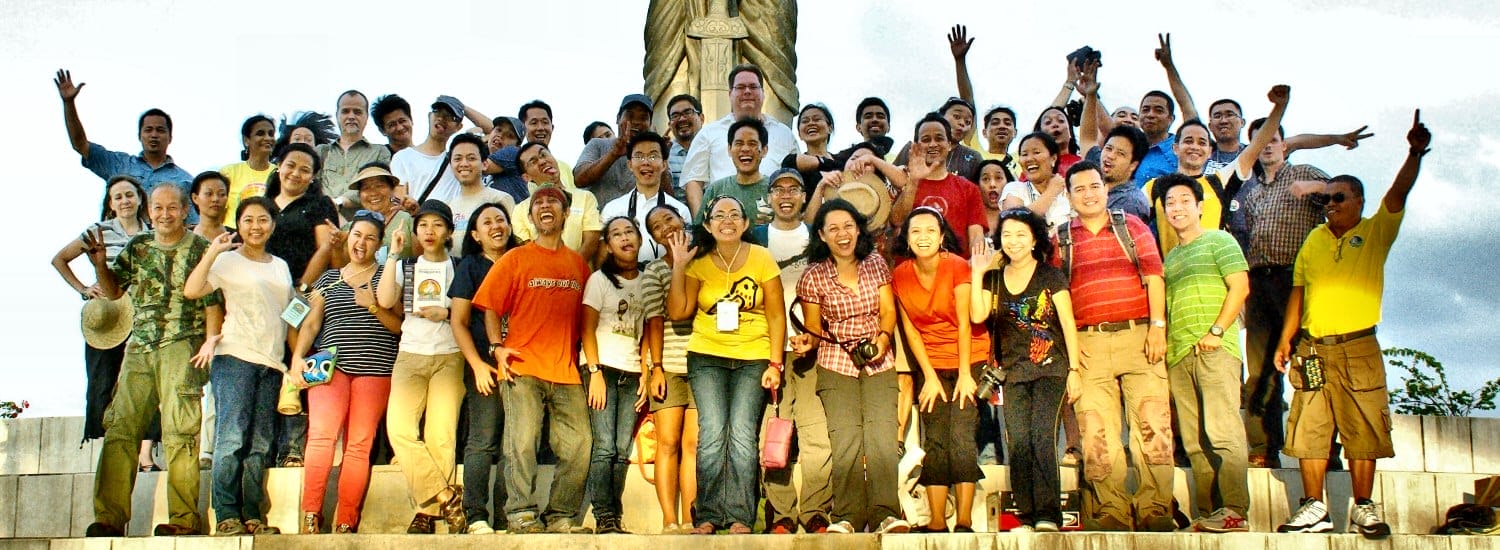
{"x": 692, "y": 44}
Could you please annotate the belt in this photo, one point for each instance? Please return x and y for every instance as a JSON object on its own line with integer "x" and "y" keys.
{"x": 1269, "y": 269}
{"x": 1117, "y": 326}
{"x": 1336, "y": 339}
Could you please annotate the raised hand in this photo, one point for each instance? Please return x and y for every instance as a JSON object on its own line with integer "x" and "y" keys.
{"x": 981, "y": 255}
{"x": 1088, "y": 78}
{"x": 1418, "y": 137}
{"x": 93, "y": 245}
{"x": 959, "y": 41}
{"x": 223, "y": 243}
{"x": 1352, "y": 139}
{"x": 65, "y": 88}
{"x": 1164, "y": 49}
{"x": 398, "y": 243}
{"x": 1280, "y": 94}
{"x": 682, "y": 254}
{"x": 336, "y": 236}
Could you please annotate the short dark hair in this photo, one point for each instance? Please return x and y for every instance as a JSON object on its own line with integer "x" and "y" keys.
{"x": 527, "y": 147}
{"x": 705, "y": 241}
{"x": 1171, "y": 105}
{"x": 1072, "y": 137}
{"x": 916, "y": 131}
{"x": 859, "y": 112}
{"x": 1004, "y": 170}
{"x": 273, "y": 184}
{"x": 205, "y": 176}
{"x": 469, "y": 246}
{"x": 1166, "y": 182}
{"x": 956, "y": 102}
{"x": 350, "y": 92}
{"x": 647, "y": 136}
{"x": 465, "y": 137}
{"x": 746, "y": 67}
{"x": 1043, "y": 250}
{"x": 821, "y": 107}
{"x": 141, "y": 124}
{"x": 1236, "y": 105}
{"x": 751, "y": 122}
{"x": 384, "y": 106}
{"x": 588, "y": 131}
{"x": 1354, "y": 184}
{"x": 533, "y": 104}
{"x": 901, "y": 249}
{"x": 817, "y": 249}
{"x": 1135, "y": 136}
{"x": 1257, "y": 123}
{"x": 1193, "y": 122}
{"x": 1081, "y": 166}
{"x": 997, "y": 110}
{"x": 372, "y": 219}
{"x": 260, "y": 200}
{"x": 697, "y": 105}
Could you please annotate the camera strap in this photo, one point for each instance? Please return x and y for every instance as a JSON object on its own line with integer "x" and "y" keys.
{"x": 826, "y": 337}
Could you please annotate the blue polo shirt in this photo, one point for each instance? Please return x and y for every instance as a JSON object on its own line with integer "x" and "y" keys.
{"x": 107, "y": 164}
{"x": 1160, "y": 160}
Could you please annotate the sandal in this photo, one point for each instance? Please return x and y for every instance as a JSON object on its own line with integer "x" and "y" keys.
{"x": 453, "y": 511}
{"x": 312, "y": 522}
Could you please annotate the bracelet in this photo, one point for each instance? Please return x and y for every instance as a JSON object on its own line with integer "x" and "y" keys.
{"x": 775, "y": 365}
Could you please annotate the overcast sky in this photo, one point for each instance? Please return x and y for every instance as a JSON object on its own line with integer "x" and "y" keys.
{"x": 212, "y": 64}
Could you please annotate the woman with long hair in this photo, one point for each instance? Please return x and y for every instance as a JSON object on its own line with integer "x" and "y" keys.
{"x": 343, "y": 315}
{"x": 1030, "y": 314}
{"x": 489, "y": 236}
{"x": 672, "y": 407}
{"x": 846, "y": 297}
{"x": 932, "y": 290}
{"x": 1043, "y": 190}
{"x": 731, "y": 289}
{"x": 247, "y": 178}
{"x": 246, "y": 356}
{"x": 1054, "y": 122}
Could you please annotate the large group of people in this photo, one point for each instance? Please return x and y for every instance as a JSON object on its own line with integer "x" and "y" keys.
{"x": 470, "y": 299}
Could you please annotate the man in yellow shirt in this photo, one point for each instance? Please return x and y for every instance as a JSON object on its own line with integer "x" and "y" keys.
{"x": 1339, "y": 375}
{"x": 581, "y": 231}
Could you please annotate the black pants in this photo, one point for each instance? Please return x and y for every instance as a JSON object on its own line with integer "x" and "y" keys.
{"x": 102, "y": 370}
{"x": 1031, "y": 413}
{"x": 1270, "y": 288}
{"x": 485, "y": 418}
{"x": 948, "y": 437}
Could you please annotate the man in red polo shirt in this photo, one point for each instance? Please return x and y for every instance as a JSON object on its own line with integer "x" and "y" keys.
{"x": 1120, "y": 308}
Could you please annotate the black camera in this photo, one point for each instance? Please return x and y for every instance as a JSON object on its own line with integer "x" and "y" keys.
{"x": 1083, "y": 56}
{"x": 991, "y": 377}
{"x": 863, "y": 352}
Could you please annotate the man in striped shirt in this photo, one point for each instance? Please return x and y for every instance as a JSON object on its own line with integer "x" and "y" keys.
{"x": 1121, "y": 314}
{"x": 1206, "y": 286}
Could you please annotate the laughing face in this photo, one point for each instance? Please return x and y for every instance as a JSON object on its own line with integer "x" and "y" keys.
{"x": 786, "y": 199}
{"x": 747, "y": 150}
{"x": 548, "y": 214}
{"x": 1087, "y": 193}
{"x": 1037, "y": 161}
{"x": 261, "y": 140}
{"x": 255, "y": 226}
{"x": 1193, "y": 148}
{"x": 813, "y": 126}
{"x": 491, "y": 229}
{"x": 363, "y": 241}
{"x": 538, "y": 125}
{"x": 933, "y": 144}
{"x": 840, "y": 233}
{"x": 468, "y": 167}
{"x": 924, "y": 234}
{"x": 1182, "y": 209}
{"x": 646, "y": 162}
{"x": 1016, "y": 240}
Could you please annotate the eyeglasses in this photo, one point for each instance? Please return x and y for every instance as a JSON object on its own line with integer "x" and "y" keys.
{"x": 370, "y": 213}
{"x": 681, "y": 114}
{"x": 787, "y": 191}
{"x": 1324, "y": 199}
{"x": 651, "y": 157}
{"x": 741, "y": 88}
{"x": 1224, "y": 115}
{"x": 726, "y": 217}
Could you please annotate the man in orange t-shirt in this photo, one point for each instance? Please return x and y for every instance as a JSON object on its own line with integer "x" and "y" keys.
{"x": 539, "y": 286}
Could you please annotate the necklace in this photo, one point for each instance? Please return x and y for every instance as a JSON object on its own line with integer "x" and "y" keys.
{"x": 343, "y": 278}
{"x": 729, "y": 264}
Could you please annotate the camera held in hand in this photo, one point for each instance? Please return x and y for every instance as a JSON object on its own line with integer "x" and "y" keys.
{"x": 991, "y": 377}
{"x": 863, "y": 352}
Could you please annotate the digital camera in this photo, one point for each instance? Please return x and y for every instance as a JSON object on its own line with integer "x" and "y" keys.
{"x": 991, "y": 377}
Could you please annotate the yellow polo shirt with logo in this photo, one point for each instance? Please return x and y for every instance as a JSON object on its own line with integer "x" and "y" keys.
{"x": 1342, "y": 278}
{"x": 1213, "y": 206}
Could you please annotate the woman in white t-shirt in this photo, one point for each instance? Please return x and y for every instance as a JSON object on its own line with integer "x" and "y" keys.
{"x": 1044, "y": 191}
{"x": 246, "y": 355}
{"x": 612, "y": 317}
{"x": 428, "y": 378}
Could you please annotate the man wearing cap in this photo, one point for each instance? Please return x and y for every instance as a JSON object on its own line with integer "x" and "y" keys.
{"x": 581, "y": 230}
{"x": 539, "y": 287}
{"x": 536, "y": 120}
{"x": 157, "y": 373}
{"x": 603, "y": 167}
{"x": 709, "y": 159}
{"x": 417, "y": 167}
{"x": 962, "y": 159}
{"x": 644, "y": 154}
{"x": 151, "y": 167}
{"x": 342, "y": 159}
{"x": 684, "y": 119}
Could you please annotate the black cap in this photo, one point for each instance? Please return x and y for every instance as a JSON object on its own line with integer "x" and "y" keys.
{"x": 438, "y": 208}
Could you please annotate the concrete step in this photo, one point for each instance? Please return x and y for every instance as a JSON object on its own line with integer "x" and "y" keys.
{"x": 978, "y": 541}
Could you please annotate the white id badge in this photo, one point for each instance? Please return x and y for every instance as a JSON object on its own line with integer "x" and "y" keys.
{"x": 728, "y": 316}
{"x": 295, "y": 311}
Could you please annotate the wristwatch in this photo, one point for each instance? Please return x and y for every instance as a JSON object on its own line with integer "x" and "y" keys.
{"x": 1158, "y": 323}
{"x": 493, "y": 347}
{"x": 1215, "y": 330}
{"x": 592, "y": 368}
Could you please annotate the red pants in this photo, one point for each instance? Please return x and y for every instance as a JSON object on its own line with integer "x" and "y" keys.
{"x": 354, "y": 405}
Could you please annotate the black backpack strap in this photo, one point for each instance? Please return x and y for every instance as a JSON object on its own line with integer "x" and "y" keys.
{"x": 1122, "y": 234}
{"x": 442, "y": 167}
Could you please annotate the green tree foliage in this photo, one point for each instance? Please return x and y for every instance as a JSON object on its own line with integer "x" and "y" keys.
{"x": 1426, "y": 390}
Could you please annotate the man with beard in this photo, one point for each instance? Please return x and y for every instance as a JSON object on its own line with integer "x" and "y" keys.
{"x": 343, "y": 159}
{"x": 685, "y": 117}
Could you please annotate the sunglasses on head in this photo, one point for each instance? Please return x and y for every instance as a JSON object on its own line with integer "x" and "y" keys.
{"x": 1324, "y": 199}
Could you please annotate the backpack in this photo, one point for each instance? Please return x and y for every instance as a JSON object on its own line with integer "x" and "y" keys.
{"x": 1226, "y": 196}
{"x": 1122, "y": 234}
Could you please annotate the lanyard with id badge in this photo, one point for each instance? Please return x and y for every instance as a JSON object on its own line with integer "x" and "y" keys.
{"x": 296, "y": 310}
{"x": 727, "y": 311}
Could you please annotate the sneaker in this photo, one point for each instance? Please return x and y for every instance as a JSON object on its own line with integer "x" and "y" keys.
{"x": 526, "y": 524}
{"x": 1222, "y": 520}
{"x": 291, "y": 462}
{"x": 818, "y": 524}
{"x": 893, "y": 525}
{"x": 421, "y": 524}
{"x": 609, "y": 525}
{"x": 564, "y": 526}
{"x": 1365, "y": 520}
{"x": 784, "y": 526}
{"x": 1311, "y": 517}
{"x": 344, "y": 529}
{"x": 841, "y": 527}
{"x": 258, "y": 527}
{"x": 312, "y": 522}
{"x": 1045, "y": 526}
{"x": 1023, "y": 528}
{"x": 738, "y": 528}
{"x": 229, "y": 528}
{"x": 481, "y": 527}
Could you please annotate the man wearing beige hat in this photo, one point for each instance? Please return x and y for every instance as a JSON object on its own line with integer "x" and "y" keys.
{"x": 157, "y": 372}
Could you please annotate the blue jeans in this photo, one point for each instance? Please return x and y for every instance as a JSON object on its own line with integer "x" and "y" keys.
{"x": 614, "y": 430}
{"x": 526, "y": 400}
{"x": 481, "y": 450}
{"x": 730, "y": 404}
{"x": 246, "y": 410}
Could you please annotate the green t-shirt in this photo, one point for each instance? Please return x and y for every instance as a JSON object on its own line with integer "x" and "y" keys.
{"x": 1196, "y": 289}
{"x": 754, "y": 197}
{"x": 154, "y": 275}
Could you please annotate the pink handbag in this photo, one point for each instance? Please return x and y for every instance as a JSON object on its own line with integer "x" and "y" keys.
{"x": 773, "y": 456}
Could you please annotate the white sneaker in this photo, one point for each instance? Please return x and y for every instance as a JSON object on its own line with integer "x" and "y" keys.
{"x": 1045, "y": 526}
{"x": 480, "y": 527}
{"x": 1023, "y": 528}
{"x": 841, "y": 527}
{"x": 893, "y": 525}
{"x": 1310, "y": 517}
{"x": 1365, "y": 520}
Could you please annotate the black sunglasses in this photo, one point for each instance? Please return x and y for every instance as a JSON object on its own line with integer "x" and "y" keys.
{"x": 1324, "y": 199}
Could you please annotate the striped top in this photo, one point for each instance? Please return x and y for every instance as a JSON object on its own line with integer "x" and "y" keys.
{"x": 114, "y": 237}
{"x": 364, "y": 345}
{"x": 656, "y": 281}
{"x": 1105, "y": 285}
{"x": 1196, "y": 289}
